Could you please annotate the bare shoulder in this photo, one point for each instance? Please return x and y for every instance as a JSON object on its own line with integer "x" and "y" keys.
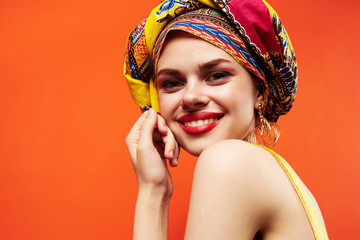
{"x": 234, "y": 149}
{"x": 236, "y": 159}
{"x": 231, "y": 192}
{"x": 239, "y": 189}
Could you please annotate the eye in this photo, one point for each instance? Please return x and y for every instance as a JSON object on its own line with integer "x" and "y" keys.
{"x": 214, "y": 76}
{"x": 171, "y": 84}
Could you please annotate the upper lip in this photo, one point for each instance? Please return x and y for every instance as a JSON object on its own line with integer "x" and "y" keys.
{"x": 198, "y": 116}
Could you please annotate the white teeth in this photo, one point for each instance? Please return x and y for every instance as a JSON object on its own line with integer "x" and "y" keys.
{"x": 200, "y": 122}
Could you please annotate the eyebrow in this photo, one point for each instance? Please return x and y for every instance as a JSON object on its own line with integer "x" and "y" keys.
{"x": 202, "y": 67}
{"x": 212, "y": 63}
{"x": 168, "y": 71}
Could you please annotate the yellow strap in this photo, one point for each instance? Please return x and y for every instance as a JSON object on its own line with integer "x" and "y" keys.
{"x": 316, "y": 222}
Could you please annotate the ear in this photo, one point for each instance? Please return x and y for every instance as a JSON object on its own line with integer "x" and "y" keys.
{"x": 259, "y": 99}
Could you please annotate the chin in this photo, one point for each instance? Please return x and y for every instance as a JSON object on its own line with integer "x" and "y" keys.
{"x": 194, "y": 152}
{"x": 195, "y": 148}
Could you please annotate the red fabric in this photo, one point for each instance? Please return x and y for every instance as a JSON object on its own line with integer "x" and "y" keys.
{"x": 254, "y": 16}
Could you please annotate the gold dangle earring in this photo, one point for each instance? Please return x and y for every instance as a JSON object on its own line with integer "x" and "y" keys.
{"x": 265, "y": 133}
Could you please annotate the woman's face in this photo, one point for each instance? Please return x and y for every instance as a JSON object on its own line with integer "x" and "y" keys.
{"x": 204, "y": 95}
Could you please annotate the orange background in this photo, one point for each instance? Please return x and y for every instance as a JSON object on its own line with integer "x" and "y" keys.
{"x": 65, "y": 111}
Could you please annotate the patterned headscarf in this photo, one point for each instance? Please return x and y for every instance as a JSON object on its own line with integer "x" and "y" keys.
{"x": 249, "y": 30}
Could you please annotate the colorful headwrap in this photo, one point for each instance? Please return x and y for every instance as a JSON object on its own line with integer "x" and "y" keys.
{"x": 249, "y": 30}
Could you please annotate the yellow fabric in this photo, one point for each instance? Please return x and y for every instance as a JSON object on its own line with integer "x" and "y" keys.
{"x": 267, "y": 47}
{"x": 313, "y": 215}
{"x": 143, "y": 92}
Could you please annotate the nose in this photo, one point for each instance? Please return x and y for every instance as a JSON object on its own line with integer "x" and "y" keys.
{"x": 194, "y": 97}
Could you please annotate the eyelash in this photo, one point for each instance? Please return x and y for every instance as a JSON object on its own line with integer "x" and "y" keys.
{"x": 218, "y": 75}
{"x": 171, "y": 85}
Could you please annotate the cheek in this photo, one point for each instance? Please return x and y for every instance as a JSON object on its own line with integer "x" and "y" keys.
{"x": 167, "y": 104}
{"x": 235, "y": 97}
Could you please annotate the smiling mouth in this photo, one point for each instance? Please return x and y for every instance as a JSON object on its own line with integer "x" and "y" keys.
{"x": 200, "y": 122}
{"x": 197, "y": 123}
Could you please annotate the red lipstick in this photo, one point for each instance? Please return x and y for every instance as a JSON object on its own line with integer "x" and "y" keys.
{"x": 199, "y": 116}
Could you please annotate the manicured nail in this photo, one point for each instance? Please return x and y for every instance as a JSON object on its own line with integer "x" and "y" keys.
{"x": 151, "y": 112}
{"x": 175, "y": 162}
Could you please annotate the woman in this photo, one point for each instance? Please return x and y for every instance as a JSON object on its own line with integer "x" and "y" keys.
{"x": 217, "y": 72}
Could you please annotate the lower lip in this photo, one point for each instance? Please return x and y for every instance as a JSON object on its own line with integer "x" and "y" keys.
{"x": 199, "y": 129}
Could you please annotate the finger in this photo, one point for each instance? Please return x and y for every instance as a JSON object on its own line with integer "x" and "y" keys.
{"x": 169, "y": 141}
{"x": 133, "y": 136}
{"x": 161, "y": 125}
{"x": 171, "y": 151}
{"x": 146, "y": 131}
{"x": 136, "y": 127}
{"x": 176, "y": 155}
{"x": 174, "y": 161}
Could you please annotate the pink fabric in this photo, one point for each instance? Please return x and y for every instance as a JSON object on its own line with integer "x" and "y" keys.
{"x": 254, "y": 16}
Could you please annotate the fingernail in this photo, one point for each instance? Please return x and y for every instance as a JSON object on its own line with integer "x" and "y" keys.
{"x": 175, "y": 162}
{"x": 151, "y": 112}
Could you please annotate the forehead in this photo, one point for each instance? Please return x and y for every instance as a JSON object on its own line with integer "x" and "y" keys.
{"x": 182, "y": 50}
{"x": 180, "y": 46}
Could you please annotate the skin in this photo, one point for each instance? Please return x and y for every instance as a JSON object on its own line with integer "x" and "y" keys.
{"x": 204, "y": 79}
{"x": 239, "y": 190}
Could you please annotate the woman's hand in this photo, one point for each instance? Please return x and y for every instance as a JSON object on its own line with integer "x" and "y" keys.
{"x": 150, "y": 142}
